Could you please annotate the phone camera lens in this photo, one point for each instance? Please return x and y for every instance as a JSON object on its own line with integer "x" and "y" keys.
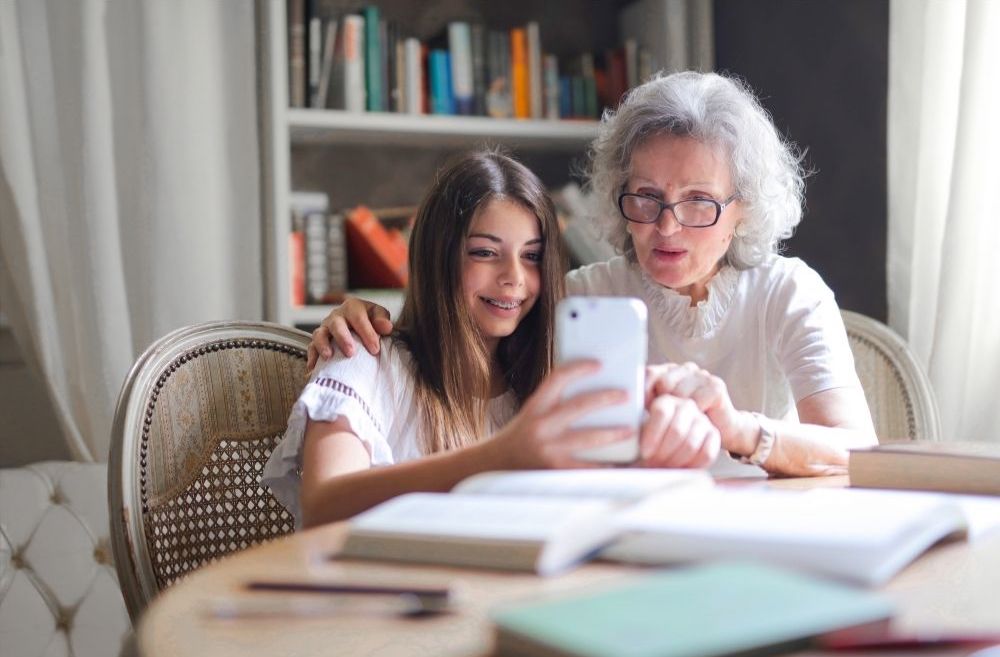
{"x": 573, "y": 314}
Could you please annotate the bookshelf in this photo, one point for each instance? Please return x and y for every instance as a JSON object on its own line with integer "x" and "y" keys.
{"x": 287, "y": 131}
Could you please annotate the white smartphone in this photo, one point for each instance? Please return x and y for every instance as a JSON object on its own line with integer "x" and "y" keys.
{"x": 612, "y": 330}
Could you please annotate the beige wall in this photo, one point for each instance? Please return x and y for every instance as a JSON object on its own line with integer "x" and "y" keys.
{"x": 29, "y": 431}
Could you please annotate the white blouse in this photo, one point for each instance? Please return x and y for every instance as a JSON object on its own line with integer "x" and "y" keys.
{"x": 375, "y": 395}
{"x": 773, "y": 333}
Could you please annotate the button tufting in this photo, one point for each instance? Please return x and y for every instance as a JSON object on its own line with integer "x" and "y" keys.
{"x": 59, "y": 529}
{"x": 64, "y": 620}
{"x": 101, "y": 555}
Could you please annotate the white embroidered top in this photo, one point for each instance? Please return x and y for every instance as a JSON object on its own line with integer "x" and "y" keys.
{"x": 375, "y": 395}
{"x": 773, "y": 333}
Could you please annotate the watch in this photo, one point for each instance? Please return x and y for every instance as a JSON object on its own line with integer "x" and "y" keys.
{"x": 765, "y": 443}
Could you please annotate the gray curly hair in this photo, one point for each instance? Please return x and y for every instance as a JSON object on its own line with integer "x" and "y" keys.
{"x": 714, "y": 109}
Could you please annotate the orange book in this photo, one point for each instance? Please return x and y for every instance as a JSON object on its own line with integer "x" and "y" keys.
{"x": 297, "y": 267}
{"x": 377, "y": 255}
{"x": 519, "y": 73}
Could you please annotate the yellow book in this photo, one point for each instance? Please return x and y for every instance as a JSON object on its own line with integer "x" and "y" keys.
{"x": 521, "y": 88}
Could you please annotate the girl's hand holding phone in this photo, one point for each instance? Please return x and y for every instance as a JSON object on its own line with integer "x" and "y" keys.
{"x": 542, "y": 434}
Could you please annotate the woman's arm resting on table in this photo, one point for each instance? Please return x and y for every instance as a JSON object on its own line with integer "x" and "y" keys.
{"x": 368, "y": 320}
{"x": 831, "y": 422}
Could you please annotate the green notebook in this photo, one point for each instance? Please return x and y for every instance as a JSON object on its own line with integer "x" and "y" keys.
{"x": 703, "y": 611}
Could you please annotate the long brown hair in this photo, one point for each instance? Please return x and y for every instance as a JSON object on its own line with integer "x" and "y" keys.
{"x": 451, "y": 363}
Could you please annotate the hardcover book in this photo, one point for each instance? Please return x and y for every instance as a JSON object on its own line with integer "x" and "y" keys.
{"x": 722, "y": 609}
{"x": 347, "y": 83}
{"x": 377, "y": 255}
{"x": 949, "y": 466}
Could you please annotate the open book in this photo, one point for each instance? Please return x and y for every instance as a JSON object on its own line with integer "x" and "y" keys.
{"x": 855, "y": 535}
{"x": 542, "y": 521}
{"x": 547, "y": 521}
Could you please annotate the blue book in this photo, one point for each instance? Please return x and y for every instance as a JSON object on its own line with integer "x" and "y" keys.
{"x": 439, "y": 68}
{"x": 565, "y": 97}
{"x": 705, "y": 611}
{"x": 373, "y": 59}
{"x": 460, "y": 54}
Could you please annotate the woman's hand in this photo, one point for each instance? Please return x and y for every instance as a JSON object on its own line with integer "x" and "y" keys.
{"x": 708, "y": 393}
{"x": 677, "y": 434}
{"x": 540, "y": 435}
{"x": 368, "y": 320}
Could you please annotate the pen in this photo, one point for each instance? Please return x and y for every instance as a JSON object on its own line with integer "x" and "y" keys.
{"x": 406, "y": 606}
{"x": 363, "y": 589}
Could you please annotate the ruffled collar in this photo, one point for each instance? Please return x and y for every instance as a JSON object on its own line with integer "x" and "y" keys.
{"x": 698, "y": 321}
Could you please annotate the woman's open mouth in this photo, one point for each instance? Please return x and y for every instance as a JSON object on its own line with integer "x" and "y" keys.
{"x": 669, "y": 255}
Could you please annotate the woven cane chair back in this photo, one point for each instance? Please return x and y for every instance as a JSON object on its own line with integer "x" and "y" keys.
{"x": 898, "y": 391}
{"x": 197, "y": 418}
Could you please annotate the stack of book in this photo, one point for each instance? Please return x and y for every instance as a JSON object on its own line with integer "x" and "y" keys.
{"x": 318, "y": 259}
{"x": 331, "y": 252}
{"x": 360, "y": 61}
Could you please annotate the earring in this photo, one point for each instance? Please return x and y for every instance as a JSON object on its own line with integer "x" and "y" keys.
{"x": 740, "y": 231}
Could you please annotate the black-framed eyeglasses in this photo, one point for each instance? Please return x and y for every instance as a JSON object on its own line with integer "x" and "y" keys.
{"x": 694, "y": 213}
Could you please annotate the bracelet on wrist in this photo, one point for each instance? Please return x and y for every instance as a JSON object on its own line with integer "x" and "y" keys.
{"x": 765, "y": 441}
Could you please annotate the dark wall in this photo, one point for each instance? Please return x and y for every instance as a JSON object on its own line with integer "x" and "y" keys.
{"x": 821, "y": 68}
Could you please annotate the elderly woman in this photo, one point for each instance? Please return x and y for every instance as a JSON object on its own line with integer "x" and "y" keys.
{"x": 697, "y": 190}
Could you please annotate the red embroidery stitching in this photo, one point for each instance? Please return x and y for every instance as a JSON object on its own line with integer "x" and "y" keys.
{"x": 345, "y": 389}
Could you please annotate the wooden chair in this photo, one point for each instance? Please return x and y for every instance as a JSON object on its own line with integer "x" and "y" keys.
{"x": 898, "y": 391}
{"x": 197, "y": 418}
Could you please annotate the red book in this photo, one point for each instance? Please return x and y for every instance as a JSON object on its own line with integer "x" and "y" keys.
{"x": 617, "y": 77}
{"x": 377, "y": 255}
{"x": 297, "y": 267}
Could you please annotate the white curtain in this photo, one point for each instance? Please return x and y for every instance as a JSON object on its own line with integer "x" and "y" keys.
{"x": 129, "y": 191}
{"x": 944, "y": 202}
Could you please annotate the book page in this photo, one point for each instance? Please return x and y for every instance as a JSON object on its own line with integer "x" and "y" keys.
{"x": 613, "y": 484}
{"x": 861, "y": 536}
{"x": 482, "y": 516}
{"x": 982, "y": 512}
{"x": 846, "y": 517}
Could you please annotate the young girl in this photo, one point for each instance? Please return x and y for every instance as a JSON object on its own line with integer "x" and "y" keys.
{"x": 472, "y": 346}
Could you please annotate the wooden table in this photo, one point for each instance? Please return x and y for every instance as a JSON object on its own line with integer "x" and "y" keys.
{"x": 953, "y": 587}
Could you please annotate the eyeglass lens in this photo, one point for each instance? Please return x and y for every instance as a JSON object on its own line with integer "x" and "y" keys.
{"x": 688, "y": 213}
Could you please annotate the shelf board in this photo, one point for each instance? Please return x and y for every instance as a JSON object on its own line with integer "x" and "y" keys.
{"x": 312, "y": 315}
{"x": 309, "y": 126}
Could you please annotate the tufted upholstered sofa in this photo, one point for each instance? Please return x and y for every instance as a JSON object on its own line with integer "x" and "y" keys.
{"x": 59, "y": 592}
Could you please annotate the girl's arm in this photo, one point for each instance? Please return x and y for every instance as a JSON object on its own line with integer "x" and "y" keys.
{"x": 339, "y": 482}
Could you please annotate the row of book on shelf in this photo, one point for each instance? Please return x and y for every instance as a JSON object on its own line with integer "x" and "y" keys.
{"x": 362, "y": 62}
{"x": 332, "y": 251}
